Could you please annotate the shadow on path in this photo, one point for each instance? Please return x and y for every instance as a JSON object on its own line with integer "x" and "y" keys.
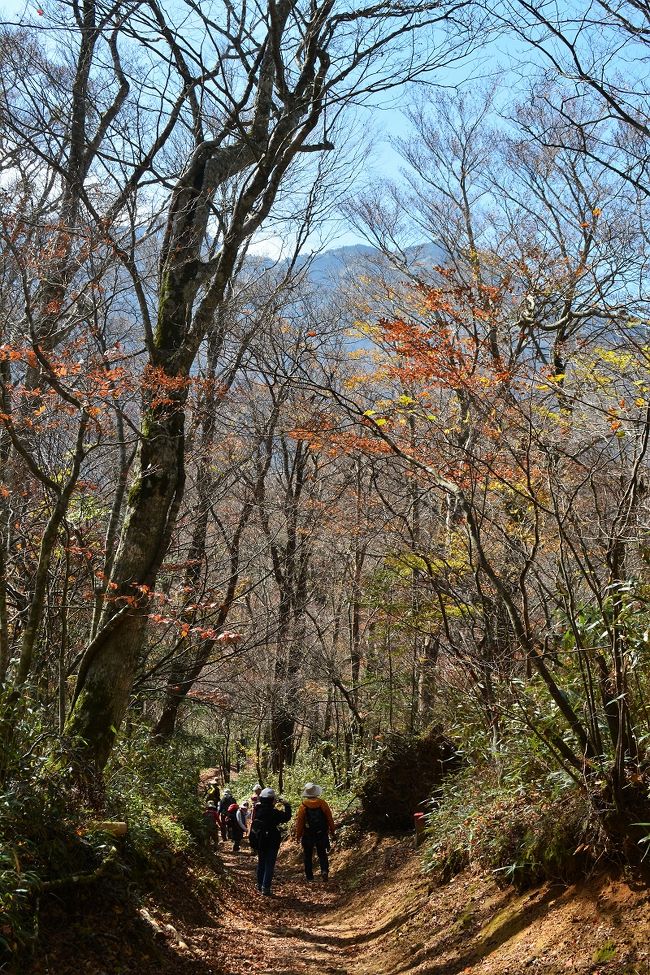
{"x": 353, "y": 937}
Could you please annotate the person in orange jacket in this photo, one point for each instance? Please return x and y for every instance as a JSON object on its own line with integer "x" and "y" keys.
{"x": 314, "y": 826}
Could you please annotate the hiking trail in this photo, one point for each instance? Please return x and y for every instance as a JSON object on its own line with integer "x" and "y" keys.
{"x": 294, "y": 931}
{"x": 377, "y": 915}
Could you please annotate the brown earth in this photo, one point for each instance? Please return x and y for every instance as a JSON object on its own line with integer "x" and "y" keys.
{"x": 470, "y": 926}
{"x": 378, "y": 915}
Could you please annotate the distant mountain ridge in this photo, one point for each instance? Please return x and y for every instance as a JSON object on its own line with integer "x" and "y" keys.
{"x": 327, "y": 268}
{"x": 332, "y": 264}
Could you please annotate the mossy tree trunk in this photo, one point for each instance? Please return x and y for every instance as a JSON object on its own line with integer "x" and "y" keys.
{"x": 5, "y": 514}
{"x": 191, "y": 295}
{"x": 189, "y": 662}
{"x": 108, "y": 668}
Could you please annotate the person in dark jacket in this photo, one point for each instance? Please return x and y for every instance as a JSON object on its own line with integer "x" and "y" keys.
{"x": 211, "y": 821}
{"x": 266, "y": 837}
{"x": 235, "y": 828}
{"x": 227, "y": 800}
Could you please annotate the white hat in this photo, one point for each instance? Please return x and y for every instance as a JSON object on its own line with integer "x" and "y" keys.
{"x": 312, "y": 791}
{"x": 257, "y": 787}
{"x": 267, "y": 794}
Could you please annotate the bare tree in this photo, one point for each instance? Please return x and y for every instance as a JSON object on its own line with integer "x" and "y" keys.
{"x": 596, "y": 85}
{"x": 199, "y": 116}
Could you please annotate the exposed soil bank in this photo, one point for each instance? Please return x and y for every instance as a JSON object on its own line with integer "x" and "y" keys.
{"x": 376, "y": 916}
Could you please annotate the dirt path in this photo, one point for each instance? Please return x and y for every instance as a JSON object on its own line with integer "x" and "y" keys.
{"x": 379, "y": 916}
{"x": 288, "y": 934}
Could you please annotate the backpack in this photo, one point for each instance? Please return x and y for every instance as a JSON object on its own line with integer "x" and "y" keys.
{"x": 315, "y": 821}
{"x": 262, "y": 830}
{"x": 210, "y": 820}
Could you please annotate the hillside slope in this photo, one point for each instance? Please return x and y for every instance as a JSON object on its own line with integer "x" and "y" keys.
{"x": 377, "y": 916}
{"x": 403, "y": 924}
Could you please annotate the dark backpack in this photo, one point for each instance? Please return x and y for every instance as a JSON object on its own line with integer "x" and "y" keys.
{"x": 315, "y": 821}
{"x": 210, "y": 820}
{"x": 259, "y": 835}
{"x": 264, "y": 831}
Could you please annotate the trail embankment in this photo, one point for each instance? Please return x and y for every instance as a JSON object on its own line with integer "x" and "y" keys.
{"x": 376, "y": 916}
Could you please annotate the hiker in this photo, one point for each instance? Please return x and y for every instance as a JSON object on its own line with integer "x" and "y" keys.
{"x": 265, "y": 836}
{"x": 314, "y": 826}
{"x": 212, "y": 793}
{"x": 211, "y": 821}
{"x": 227, "y": 800}
{"x": 244, "y": 815}
{"x": 255, "y": 798}
{"x": 235, "y": 829}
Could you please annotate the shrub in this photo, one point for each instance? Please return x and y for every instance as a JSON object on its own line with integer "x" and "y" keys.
{"x": 540, "y": 830}
{"x": 40, "y": 843}
{"x": 48, "y": 837}
{"x": 155, "y": 789}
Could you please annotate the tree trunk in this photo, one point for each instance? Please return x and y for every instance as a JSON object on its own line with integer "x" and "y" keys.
{"x": 427, "y": 676}
{"x": 5, "y": 514}
{"x": 108, "y": 668}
